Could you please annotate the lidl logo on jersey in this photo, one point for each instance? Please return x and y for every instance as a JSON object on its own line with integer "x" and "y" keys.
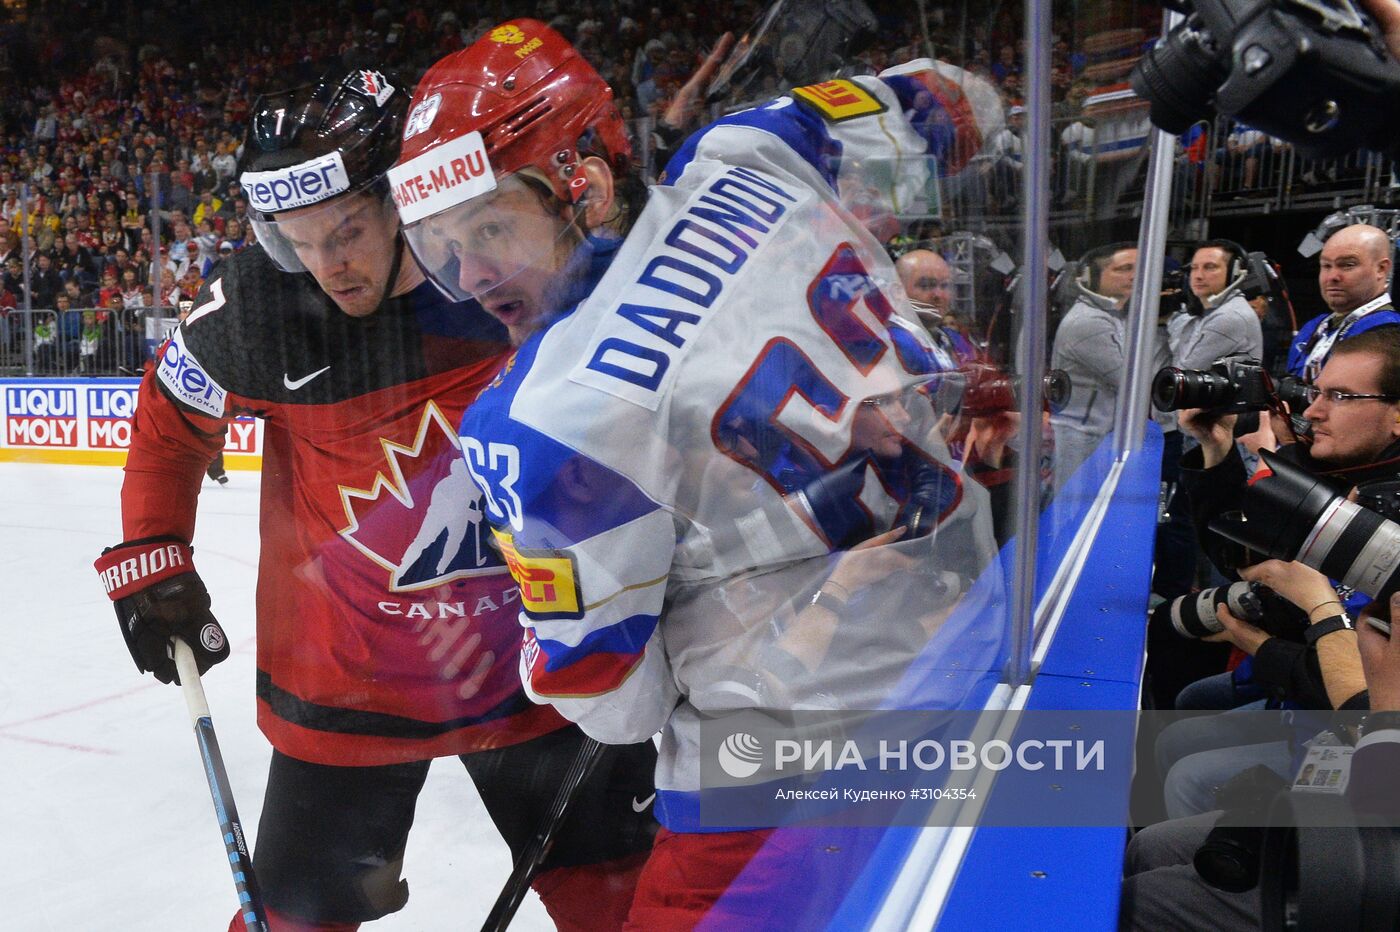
{"x": 548, "y": 580}
{"x": 839, "y": 100}
{"x": 421, "y": 519}
{"x": 41, "y": 417}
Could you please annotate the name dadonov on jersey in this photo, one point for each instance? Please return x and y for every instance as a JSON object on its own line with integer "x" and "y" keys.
{"x": 655, "y": 319}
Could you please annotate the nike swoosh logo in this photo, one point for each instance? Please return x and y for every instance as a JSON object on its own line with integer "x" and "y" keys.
{"x": 641, "y": 806}
{"x": 294, "y": 385}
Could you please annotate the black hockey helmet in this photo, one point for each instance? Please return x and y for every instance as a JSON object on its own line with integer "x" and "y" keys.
{"x": 314, "y": 143}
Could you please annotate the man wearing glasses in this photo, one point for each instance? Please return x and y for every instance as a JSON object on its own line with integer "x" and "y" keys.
{"x": 1354, "y": 413}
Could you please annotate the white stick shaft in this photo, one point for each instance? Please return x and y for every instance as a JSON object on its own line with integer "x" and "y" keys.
{"x": 189, "y": 680}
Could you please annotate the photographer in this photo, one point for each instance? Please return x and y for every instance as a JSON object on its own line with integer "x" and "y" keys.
{"x": 1302, "y": 654}
{"x": 1162, "y": 888}
{"x": 1217, "y": 320}
{"x": 1353, "y": 274}
{"x": 1355, "y": 419}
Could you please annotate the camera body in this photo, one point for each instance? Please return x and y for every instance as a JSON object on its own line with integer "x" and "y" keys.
{"x": 1232, "y": 384}
{"x": 1313, "y": 72}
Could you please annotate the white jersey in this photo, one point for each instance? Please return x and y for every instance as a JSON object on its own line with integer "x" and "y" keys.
{"x": 672, "y": 467}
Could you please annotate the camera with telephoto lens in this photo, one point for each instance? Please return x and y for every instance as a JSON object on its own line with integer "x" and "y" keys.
{"x": 1233, "y": 384}
{"x": 989, "y": 391}
{"x": 1315, "y": 73}
{"x": 1193, "y": 616}
{"x": 1289, "y": 514}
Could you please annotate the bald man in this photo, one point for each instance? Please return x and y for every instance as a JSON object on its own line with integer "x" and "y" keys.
{"x": 1353, "y": 275}
{"x": 928, "y": 280}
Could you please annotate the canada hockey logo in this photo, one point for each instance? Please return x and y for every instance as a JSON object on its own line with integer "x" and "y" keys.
{"x": 374, "y": 85}
{"x": 423, "y": 518}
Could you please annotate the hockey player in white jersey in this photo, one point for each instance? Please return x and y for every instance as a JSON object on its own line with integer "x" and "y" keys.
{"x": 712, "y": 463}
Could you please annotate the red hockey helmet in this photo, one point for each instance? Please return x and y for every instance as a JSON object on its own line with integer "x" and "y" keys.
{"x": 520, "y": 101}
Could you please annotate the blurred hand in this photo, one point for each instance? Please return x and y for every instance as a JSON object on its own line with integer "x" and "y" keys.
{"x": 1380, "y": 658}
{"x": 1302, "y": 585}
{"x": 869, "y": 562}
{"x": 987, "y": 437}
{"x": 1215, "y": 433}
{"x": 1238, "y": 632}
{"x": 1262, "y": 439}
{"x": 685, "y": 106}
{"x": 1281, "y": 429}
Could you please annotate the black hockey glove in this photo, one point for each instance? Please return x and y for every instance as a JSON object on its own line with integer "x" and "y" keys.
{"x": 158, "y": 595}
{"x": 932, "y": 491}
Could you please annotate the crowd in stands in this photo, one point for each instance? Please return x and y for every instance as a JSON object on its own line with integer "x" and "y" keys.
{"x": 124, "y": 122}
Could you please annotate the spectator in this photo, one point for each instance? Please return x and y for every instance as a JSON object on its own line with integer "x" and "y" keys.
{"x": 225, "y": 164}
{"x": 1354, "y": 275}
{"x": 77, "y": 295}
{"x": 45, "y": 281}
{"x": 207, "y": 237}
{"x": 73, "y": 260}
{"x": 207, "y": 208}
{"x": 179, "y": 246}
{"x": 233, "y": 234}
{"x": 69, "y": 332}
{"x": 133, "y": 218}
{"x": 8, "y": 320}
{"x": 1005, "y": 155}
{"x": 110, "y": 286}
{"x": 43, "y": 226}
{"x": 92, "y": 345}
{"x": 928, "y": 281}
{"x": 46, "y": 350}
{"x": 130, "y": 288}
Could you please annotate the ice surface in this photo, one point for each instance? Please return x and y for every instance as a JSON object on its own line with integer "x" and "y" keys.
{"x": 105, "y": 817}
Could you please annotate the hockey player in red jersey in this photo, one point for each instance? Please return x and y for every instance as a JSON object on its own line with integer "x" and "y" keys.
{"x": 386, "y": 629}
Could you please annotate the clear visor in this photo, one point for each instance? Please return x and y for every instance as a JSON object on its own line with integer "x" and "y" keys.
{"x": 315, "y": 237}
{"x": 504, "y": 246}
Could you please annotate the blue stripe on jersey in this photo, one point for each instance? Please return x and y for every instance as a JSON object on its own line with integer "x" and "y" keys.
{"x": 544, "y": 467}
{"x": 628, "y": 636}
{"x": 803, "y": 131}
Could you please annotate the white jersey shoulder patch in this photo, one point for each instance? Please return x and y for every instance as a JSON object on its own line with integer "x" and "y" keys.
{"x": 182, "y": 375}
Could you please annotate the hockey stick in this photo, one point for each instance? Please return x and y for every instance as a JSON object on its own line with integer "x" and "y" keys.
{"x": 240, "y": 861}
{"x": 584, "y": 763}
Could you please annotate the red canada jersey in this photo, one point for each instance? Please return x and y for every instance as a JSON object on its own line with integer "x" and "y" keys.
{"x": 386, "y": 623}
